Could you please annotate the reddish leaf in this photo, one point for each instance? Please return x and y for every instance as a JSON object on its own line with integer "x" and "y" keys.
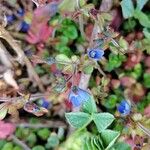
{"x": 147, "y": 61}
{"x": 133, "y": 59}
{"x": 127, "y": 81}
{"x": 39, "y": 30}
{"x": 34, "y": 109}
{"x": 147, "y": 111}
{"x": 6, "y": 129}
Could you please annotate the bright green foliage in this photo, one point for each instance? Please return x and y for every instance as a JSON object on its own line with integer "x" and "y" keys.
{"x": 31, "y": 139}
{"x": 146, "y": 33}
{"x": 102, "y": 120}
{"x": 129, "y": 25}
{"x": 8, "y": 146}
{"x": 129, "y": 11}
{"x": 17, "y": 148}
{"x": 93, "y": 142}
{"x": 89, "y": 106}
{"x": 109, "y": 137}
{"x": 70, "y": 32}
{"x": 142, "y": 17}
{"x": 43, "y": 133}
{"x": 88, "y": 69}
{"x": 52, "y": 141}
{"x": 38, "y": 147}
{"x": 146, "y": 80}
{"x": 2, "y": 143}
{"x": 78, "y": 119}
{"x": 114, "y": 61}
{"x": 122, "y": 146}
{"x": 66, "y": 33}
{"x": 110, "y": 102}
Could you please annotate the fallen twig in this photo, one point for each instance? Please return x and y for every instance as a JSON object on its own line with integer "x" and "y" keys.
{"x": 21, "y": 56}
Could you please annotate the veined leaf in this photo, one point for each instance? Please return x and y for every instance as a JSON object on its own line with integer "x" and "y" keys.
{"x": 89, "y": 106}
{"x": 102, "y": 120}
{"x": 78, "y": 119}
{"x": 3, "y": 110}
{"x": 109, "y": 137}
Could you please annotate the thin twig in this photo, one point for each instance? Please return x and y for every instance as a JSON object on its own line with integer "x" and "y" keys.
{"x": 19, "y": 142}
{"x": 33, "y": 97}
{"x": 49, "y": 124}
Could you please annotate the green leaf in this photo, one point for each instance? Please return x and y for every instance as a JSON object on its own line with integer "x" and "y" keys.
{"x": 78, "y": 119}
{"x": 129, "y": 24}
{"x": 88, "y": 69}
{"x": 43, "y": 133}
{"x": 3, "y": 110}
{"x": 64, "y": 40}
{"x": 70, "y": 32}
{"x": 89, "y": 106}
{"x": 62, "y": 58}
{"x": 109, "y": 137}
{"x": 141, "y": 3}
{"x": 65, "y": 50}
{"x": 68, "y": 5}
{"x": 31, "y": 139}
{"x": 123, "y": 43}
{"x": 146, "y": 33}
{"x": 17, "y": 148}
{"x": 102, "y": 120}
{"x": 142, "y": 17}
{"x": 8, "y": 146}
{"x": 110, "y": 102}
{"x": 122, "y": 146}
{"x": 93, "y": 143}
{"x": 2, "y": 143}
{"x": 38, "y": 147}
{"x": 127, "y": 8}
{"x": 146, "y": 80}
{"x": 114, "y": 61}
{"x": 53, "y": 141}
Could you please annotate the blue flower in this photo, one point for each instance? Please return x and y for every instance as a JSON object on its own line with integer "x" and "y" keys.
{"x": 10, "y": 18}
{"x": 20, "y": 12}
{"x": 77, "y": 96}
{"x": 95, "y": 53}
{"x": 24, "y": 27}
{"x": 44, "y": 103}
{"x": 124, "y": 108}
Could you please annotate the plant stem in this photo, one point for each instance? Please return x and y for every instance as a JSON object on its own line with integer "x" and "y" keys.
{"x": 19, "y": 142}
{"x": 49, "y": 124}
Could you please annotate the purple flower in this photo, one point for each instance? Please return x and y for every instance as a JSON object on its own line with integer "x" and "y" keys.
{"x": 77, "y": 96}
{"x": 95, "y": 53}
{"x": 124, "y": 108}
